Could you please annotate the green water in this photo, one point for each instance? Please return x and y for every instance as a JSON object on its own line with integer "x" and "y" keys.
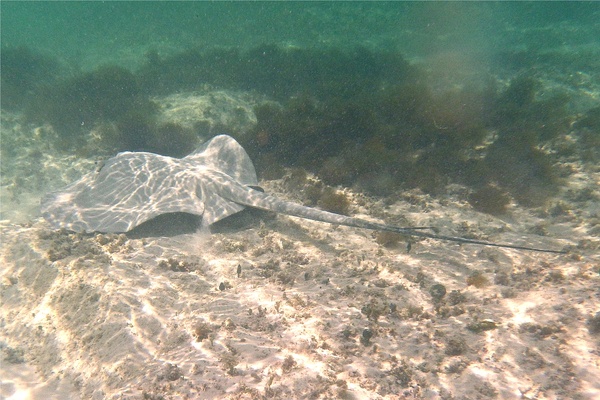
{"x": 88, "y": 33}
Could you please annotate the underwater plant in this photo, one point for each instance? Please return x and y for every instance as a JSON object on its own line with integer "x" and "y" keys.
{"x": 23, "y": 72}
{"x": 489, "y": 199}
{"x": 334, "y": 201}
{"x": 75, "y": 105}
{"x": 526, "y": 172}
{"x": 110, "y": 101}
{"x": 353, "y": 117}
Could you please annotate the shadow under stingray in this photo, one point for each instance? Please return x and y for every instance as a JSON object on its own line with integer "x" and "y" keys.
{"x": 175, "y": 224}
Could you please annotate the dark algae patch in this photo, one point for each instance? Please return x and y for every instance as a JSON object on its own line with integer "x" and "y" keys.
{"x": 355, "y": 117}
{"x": 489, "y": 199}
{"x": 403, "y": 134}
{"x": 24, "y": 72}
{"x": 110, "y": 100}
{"x": 76, "y": 104}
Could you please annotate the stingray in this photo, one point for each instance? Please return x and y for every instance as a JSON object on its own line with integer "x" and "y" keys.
{"x": 214, "y": 182}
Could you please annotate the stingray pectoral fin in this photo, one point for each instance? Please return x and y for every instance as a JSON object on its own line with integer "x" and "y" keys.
{"x": 71, "y": 210}
{"x": 217, "y": 209}
{"x": 130, "y": 189}
{"x": 217, "y": 206}
{"x": 224, "y": 154}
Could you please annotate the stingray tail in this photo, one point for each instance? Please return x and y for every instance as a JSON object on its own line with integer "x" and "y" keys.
{"x": 270, "y": 203}
{"x": 412, "y": 232}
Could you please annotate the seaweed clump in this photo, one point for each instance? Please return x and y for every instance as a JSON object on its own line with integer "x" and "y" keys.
{"x": 526, "y": 171}
{"x": 588, "y": 127}
{"x": 478, "y": 280}
{"x": 515, "y": 159}
{"x": 76, "y": 104}
{"x": 23, "y": 72}
{"x": 388, "y": 239}
{"x": 399, "y": 135}
{"x": 352, "y": 117}
{"x": 138, "y": 131}
{"x": 334, "y": 201}
{"x": 109, "y": 100}
{"x": 306, "y": 131}
{"x": 402, "y": 134}
{"x": 489, "y": 199}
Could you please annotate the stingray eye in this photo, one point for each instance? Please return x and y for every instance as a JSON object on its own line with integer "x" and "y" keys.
{"x": 258, "y": 188}
{"x": 99, "y": 165}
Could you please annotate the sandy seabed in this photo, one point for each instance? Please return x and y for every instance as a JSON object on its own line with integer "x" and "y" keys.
{"x": 289, "y": 308}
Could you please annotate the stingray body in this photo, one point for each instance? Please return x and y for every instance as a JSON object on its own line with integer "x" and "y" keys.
{"x": 213, "y": 182}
